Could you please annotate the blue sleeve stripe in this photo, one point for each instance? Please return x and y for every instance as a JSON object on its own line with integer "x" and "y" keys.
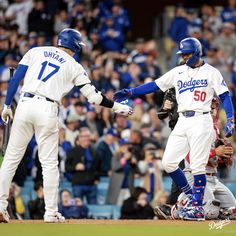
{"x": 227, "y": 103}
{"x": 14, "y": 83}
{"x": 144, "y": 89}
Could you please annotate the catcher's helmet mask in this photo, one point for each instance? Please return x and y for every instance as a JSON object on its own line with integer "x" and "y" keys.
{"x": 71, "y": 39}
{"x": 191, "y": 45}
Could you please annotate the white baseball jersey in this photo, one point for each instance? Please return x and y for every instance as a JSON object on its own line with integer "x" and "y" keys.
{"x": 195, "y": 87}
{"x": 51, "y": 72}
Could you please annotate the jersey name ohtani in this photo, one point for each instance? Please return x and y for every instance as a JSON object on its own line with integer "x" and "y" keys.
{"x": 54, "y": 56}
{"x": 191, "y": 85}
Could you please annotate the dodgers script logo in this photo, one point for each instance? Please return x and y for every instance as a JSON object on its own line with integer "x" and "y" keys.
{"x": 191, "y": 85}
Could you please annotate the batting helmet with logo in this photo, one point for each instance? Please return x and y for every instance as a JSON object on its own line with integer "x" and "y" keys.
{"x": 70, "y": 38}
{"x": 191, "y": 45}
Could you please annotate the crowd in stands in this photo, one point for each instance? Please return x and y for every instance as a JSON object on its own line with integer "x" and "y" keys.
{"x": 93, "y": 142}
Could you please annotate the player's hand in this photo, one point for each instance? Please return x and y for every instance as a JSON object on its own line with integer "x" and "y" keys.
{"x": 168, "y": 105}
{"x": 122, "y": 94}
{"x": 229, "y": 127}
{"x": 122, "y": 109}
{"x": 6, "y": 112}
{"x": 224, "y": 151}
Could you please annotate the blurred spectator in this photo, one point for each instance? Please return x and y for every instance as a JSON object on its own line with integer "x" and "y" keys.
{"x": 83, "y": 164}
{"x": 178, "y": 30}
{"x": 11, "y": 208}
{"x": 137, "y": 206}
{"x": 124, "y": 167}
{"x": 138, "y": 141}
{"x": 121, "y": 18}
{"x": 111, "y": 36}
{"x": 210, "y": 18}
{"x": 151, "y": 69}
{"x": 93, "y": 123}
{"x": 64, "y": 147}
{"x": 160, "y": 198}
{"x": 39, "y": 20}
{"x": 121, "y": 123}
{"x": 37, "y": 206}
{"x": 106, "y": 118}
{"x": 105, "y": 149}
{"x": 4, "y": 47}
{"x": 226, "y": 41}
{"x": 138, "y": 55}
{"x": 18, "y": 12}
{"x": 72, "y": 124}
{"x": 72, "y": 208}
{"x": 61, "y": 21}
{"x": 229, "y": 12}
{"x": 131, "y": 77}
{"x": 150, "y": 169}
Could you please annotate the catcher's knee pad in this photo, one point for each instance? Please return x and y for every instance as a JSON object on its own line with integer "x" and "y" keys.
{"x": 212, "y": 209}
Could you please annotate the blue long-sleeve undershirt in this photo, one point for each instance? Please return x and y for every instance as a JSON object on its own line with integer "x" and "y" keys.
{"x": 14, "y": 83}
{"x": 227, "y": 103}
{"x": 144, "y": 89}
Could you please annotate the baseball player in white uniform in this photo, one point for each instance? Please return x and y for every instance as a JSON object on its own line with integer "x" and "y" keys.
{"x": 49, "y": 73}
{"x": 218, "y": 199}
{"x": 195, "y": 83}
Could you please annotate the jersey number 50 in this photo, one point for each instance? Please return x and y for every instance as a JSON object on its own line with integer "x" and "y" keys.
{"x": 199, "y": 96}
{"x": 54, "y": 70}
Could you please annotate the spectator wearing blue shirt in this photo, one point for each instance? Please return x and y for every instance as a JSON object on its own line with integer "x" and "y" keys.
{"x": 83, "y": 164}
{"x": 178, "y": 30}
{"x": 229, "y": 12}
{"x": 111, "y": 36}
{"x": 72, "y": 208}
{"x": 105, "y": 150}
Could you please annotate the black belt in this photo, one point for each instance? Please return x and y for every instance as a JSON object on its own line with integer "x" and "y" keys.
{"x": 193, "y": 113}
{"x": 30, "y": 95}
{"x": 211, "y": 174}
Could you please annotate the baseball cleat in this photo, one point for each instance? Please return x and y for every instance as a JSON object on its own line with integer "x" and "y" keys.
{"x": 162, "y": 212}
{"x": 4, "y": 217}
{"x": 192, "y": 213}
{"x": 56, "y": 218}
{"x": 175, "y": 212}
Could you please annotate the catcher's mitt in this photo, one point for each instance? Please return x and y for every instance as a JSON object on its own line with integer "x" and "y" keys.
{"x": 226, "y": 159}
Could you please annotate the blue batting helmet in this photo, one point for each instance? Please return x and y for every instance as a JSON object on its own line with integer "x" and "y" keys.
{"x": 191, "y": 45}
{"x": 70, "y": 38}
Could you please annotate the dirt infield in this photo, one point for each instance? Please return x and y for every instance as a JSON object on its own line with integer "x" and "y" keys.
{"x": 119, "y": 222}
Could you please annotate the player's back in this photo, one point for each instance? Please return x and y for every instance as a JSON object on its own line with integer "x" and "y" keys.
{"x": 51, "y": 72}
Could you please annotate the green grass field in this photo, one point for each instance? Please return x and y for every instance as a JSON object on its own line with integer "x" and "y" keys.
{"x": 85, "y": 228}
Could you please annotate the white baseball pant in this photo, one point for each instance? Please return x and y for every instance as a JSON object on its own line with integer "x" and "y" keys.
{"x": 39, "y": 116}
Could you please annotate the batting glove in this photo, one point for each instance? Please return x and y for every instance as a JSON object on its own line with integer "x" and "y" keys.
{"x": 122, "y": 109}
{"x": 6, "y": 112}
{"x": 229, "y": 127}
{"x": 122, "y": 95}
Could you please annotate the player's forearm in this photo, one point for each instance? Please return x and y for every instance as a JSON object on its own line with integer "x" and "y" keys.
{"x": 14, "y": 83}
{"x": 227, "y": 103}
{"x": 95, "y": 97}
{"x": 144, "y": 89}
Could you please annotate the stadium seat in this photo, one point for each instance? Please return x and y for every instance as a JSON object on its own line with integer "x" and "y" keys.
{"x": 102, "y": 189}
{"x": 116, "y": 212}
{"x": 100, "y": 211}
{"x": 167, "y": 181}
{"x": 104, "y": 179}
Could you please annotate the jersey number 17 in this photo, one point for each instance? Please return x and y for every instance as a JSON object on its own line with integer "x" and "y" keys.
{"x": 54, "y": 67}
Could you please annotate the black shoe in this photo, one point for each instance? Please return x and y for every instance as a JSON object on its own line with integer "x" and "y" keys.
{"x": 163, "y": 212}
